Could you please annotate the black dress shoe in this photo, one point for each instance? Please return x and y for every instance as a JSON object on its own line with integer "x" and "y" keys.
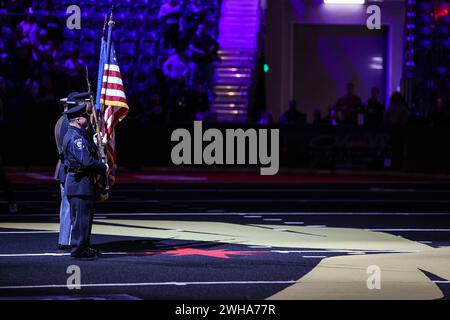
{"x": 95, "y": 251}
{"x": 64, "y": 247}
{"x": 84, "y": 254}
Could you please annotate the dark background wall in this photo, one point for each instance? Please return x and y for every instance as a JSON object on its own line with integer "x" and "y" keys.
{"x": 326, "y": 57}
{"x": 283, "y": 14}
{"x": 415, "y": 148}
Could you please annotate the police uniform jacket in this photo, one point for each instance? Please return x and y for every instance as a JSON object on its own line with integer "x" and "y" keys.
{"x": 82, "y": 164}
{"x": 61, "y": 128}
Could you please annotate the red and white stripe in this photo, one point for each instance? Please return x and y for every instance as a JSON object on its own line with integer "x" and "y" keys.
{"x": 116, "y": 106}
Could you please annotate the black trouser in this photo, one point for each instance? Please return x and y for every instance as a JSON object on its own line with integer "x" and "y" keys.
{"x": 82, "y": 213}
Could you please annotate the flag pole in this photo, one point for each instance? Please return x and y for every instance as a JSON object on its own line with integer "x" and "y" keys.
{"x": 101, "y": 148}
{"x": 104, "y": 25}
{"x": 108, "y": 55}
{"x": 106, "y": 61}
{"x": 101, "y": 71}
{"x": 108, "y": 52}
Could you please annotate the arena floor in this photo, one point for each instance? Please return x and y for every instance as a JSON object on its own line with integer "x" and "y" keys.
{"x": 181, "y": 238}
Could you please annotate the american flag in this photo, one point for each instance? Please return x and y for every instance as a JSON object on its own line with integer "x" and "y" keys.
{"x": 115, "y": 104}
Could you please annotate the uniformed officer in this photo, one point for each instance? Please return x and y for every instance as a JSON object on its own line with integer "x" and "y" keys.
{"x": 61, "y": 129}
{"x": 82, "y": 169}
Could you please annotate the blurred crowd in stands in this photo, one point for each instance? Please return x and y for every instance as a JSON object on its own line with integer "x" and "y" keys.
{"x": 350, "y": 109}
{"x": 32, "y": 72}
{"x": 190, "y": 69}
{"x": 167, "y": 51}
{"x": 166, "y": 62}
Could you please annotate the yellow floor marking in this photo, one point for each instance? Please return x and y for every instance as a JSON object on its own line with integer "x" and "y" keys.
{"x": 342, "y": 277}
{"x": 345, "y": 277}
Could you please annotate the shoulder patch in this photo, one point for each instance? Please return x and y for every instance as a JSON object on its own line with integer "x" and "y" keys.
{"x": 78, "y": 143}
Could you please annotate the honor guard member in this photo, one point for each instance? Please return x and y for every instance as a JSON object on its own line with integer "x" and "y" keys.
{"x": 82, "y": 168}
{"x": 61, "y": 129}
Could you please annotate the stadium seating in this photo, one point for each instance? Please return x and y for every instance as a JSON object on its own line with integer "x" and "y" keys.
{"x": 136, "y": 36}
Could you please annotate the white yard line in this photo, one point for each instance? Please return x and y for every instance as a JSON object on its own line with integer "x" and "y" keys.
{"x": 141, "y": 284}
{"x": 241, "y": 214}
{"x": 206, "y": 283}
{"x": 19, "y": 232}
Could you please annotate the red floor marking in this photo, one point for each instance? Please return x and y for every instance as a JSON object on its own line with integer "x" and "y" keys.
{"x": 220, "y": 253}
{"x": 165, "y": 177}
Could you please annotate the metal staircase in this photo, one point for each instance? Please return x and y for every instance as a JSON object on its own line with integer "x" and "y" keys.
{"x": 238, "y": 40}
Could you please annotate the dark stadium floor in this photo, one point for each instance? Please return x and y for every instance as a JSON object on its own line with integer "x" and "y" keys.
{"x": 250, "y": 241}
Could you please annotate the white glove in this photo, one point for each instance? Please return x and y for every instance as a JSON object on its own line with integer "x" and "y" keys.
{"x": 107, "y": 167}
{"x": 95, "y": 139}
{"x": 102, "y": 139}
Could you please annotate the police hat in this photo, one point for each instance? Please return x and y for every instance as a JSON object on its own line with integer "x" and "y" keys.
{"x": 75, "y": 98}
{"x": 76, "y": 112}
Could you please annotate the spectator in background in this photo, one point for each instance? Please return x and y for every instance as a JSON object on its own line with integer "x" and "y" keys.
{"x": 21, "y": 54}
{"x": 318, "y": 119}
{"x": 28, "y": 27}
{"x": 176, "y": 69}
{"x": 32, "y": 83}
{"x": 169, "y": 16}
{"x": 5, "y": 32}
{"x": 397, "y": 114}
{"x": 375, "y": 109}
{"x": 347, "y": 106}
{"x": 292, "y": 116}
{"x": 5, "y": 63}
{"x": 193, "y": 16}
{"x": 44, "y": 50}
{"x": 441, "y": 112}
{"x": 332, "y": 117}
{"x": 74, "y": 67}
{"x": 265, "y": 118}
{"x": 16, "y": 8}
{"x": 54, "y": 28}
{"x": 203, "y": 50}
